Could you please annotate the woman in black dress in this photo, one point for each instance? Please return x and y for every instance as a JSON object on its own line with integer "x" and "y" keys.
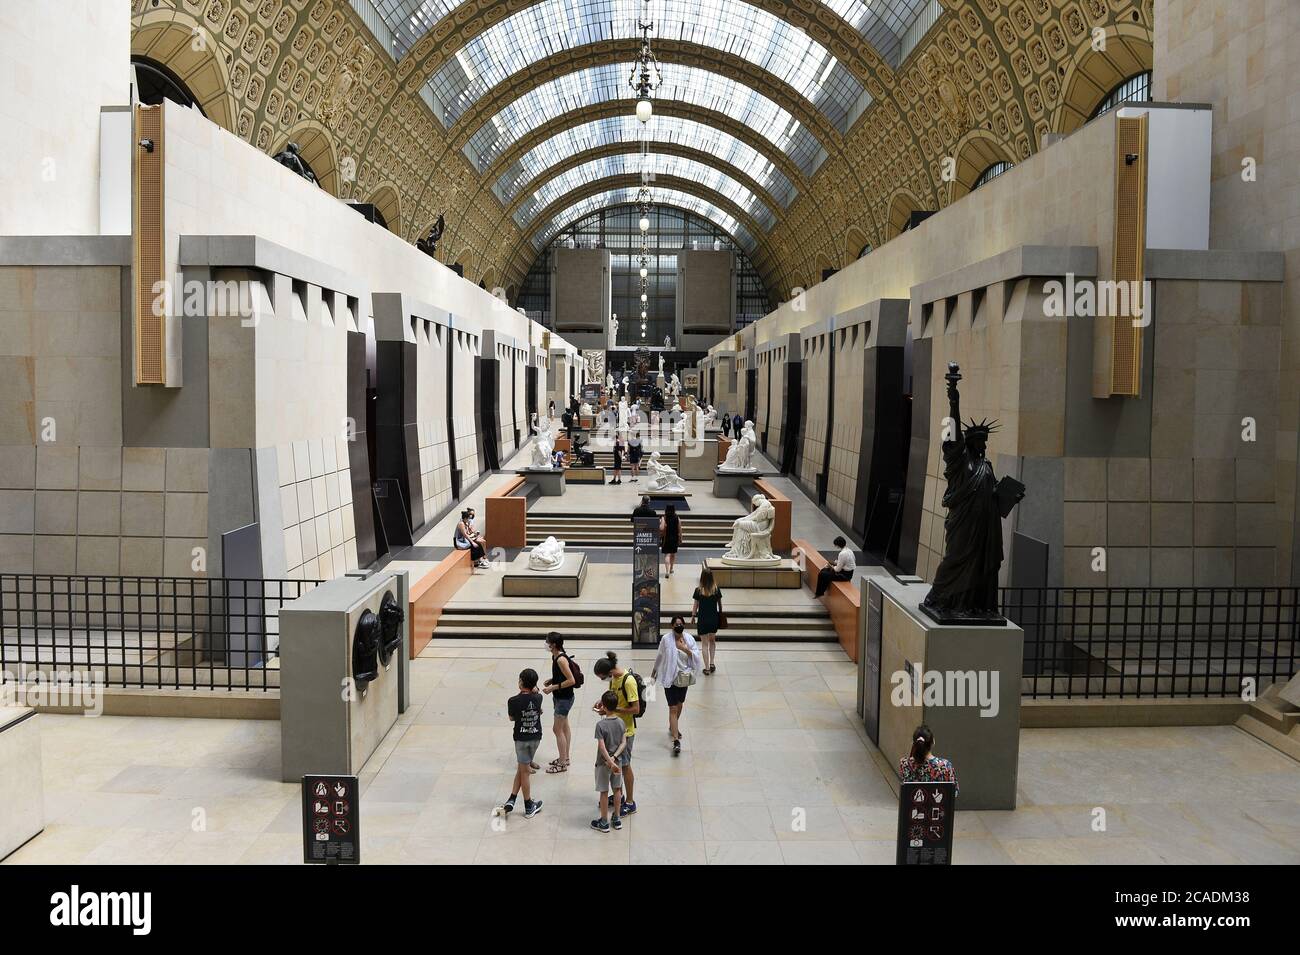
{"x": 706, "y": 611}
{"x": 634, "y": 456}
{"x": 670, "y": 536}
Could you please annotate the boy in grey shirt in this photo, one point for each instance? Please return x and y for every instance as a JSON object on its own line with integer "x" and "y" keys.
{"x": 610, "y": 741}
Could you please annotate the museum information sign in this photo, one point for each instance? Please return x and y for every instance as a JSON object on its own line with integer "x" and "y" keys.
{"x": 927, "y": 812}
{"x": 331, "y": 816}
{"x": 645, "y": 582}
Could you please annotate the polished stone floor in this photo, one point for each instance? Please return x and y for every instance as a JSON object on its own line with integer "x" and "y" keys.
{"x": 770, "y": 740}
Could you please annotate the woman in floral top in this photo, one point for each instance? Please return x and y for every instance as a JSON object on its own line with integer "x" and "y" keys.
{"x": 923, "y": 767}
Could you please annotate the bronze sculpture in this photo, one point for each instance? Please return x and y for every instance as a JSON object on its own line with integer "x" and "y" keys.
{"x": 965, "y": 587}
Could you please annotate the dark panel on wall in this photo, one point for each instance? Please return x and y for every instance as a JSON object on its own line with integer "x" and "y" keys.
{"x": 489, "y": 439}
{"x": 530, "y": 391}
{"x": 918, "y": 451}
{"x": 363, "y": 502}
{"x": 451, "y": 415}
{"x": 800, "y": 427}
{"x": 751, "y": 394}
{"x": 398, "y": 441}
{"x": 882, "y": 461}
{"x": 830, "y": 419}
{"x": 792, "y": 427}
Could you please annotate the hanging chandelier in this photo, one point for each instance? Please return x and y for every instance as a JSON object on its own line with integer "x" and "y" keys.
{"x": 646, "y": 75}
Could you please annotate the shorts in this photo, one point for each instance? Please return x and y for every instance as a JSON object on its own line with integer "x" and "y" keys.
{"x": 605, "y": 780}
{"x": 562, "y": 706}
{"x": 675, "y": 695}
{"x": 525, "y": 750}
{"x": 625, "y": 757}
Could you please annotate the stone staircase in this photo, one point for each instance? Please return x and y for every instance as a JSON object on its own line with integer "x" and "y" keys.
{"x": 1272, "y": 721}
{"x": 598, "y": 530}
{"x": 812, "y": 625}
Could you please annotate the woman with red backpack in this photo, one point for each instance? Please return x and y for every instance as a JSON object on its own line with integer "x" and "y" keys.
{"x": 566, "y": 676}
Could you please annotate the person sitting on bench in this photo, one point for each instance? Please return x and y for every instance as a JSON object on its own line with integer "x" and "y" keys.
{"x": 466, "y": 538}
{"x": 843, "y": 568}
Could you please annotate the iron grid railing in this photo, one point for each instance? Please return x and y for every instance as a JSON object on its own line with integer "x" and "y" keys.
{"x": 1154, "y": 642}
{"x": 185, "y": 633}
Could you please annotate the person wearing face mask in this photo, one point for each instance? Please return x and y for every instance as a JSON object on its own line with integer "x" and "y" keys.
{"x": 676, "y": 668}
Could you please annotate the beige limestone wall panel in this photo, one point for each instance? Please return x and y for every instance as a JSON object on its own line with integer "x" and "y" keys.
{"x": 316, "y": 508}
{"x": 431, "y": 406}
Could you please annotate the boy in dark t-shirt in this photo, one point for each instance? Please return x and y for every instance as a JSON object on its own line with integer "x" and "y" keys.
{"x": 525, "y": 712}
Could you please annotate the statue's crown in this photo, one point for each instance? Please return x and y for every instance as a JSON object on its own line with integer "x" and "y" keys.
{"x": 982, "y": 428}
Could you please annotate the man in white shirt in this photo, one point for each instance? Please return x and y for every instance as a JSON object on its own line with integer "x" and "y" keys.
{"x": 843, "y": 569}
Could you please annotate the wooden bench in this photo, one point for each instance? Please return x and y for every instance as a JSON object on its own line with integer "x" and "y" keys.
{"x": 783, "y": 528}
{"x": 724, "y": 445}
{"x": 842, "y": 598}
{"x": 430, "y": 594}
{"x": 506, "y": 515}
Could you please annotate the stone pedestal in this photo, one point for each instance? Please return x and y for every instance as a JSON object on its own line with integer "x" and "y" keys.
{"x": 727, "y": 484}
{"x": 322, "y": 728}
{"x": 782, "y": 574}
{"x": 22, "y": 788}
{"x": 697, "y": 460}
{"x": 521, "y": 580}
{"x": 667, "y": 495}
{"x": 550, "y": 483}
{"x": 963, "y": 682}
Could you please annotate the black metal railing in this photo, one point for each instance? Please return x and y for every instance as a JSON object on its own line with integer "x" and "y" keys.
{"x": 194, "y": 633}
{"x": 1154, "y": 642}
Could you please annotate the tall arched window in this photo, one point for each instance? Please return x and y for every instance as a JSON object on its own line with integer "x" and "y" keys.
{"x": 992, "y": 172}
{"x": 155, "y": 82}
{"x": 1135, "y": 89}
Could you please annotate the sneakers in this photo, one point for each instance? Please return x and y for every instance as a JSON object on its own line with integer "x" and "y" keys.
{"x": 600, "y": 825}
{"x": 627, "y": 809}
{"x": 532, "y": 807}
{"x": 510, "y": 804}
{"x": 616, "y": 822}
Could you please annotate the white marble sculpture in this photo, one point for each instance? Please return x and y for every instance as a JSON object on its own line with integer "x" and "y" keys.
{"x": 674, "y": 385}
{"x": 662, "y": 477}
{"x": 548, "y": 555}
{"x": 740, "y": 456}
{"x": 751, "y": 535}
{"x": 623, "y": 414}
{"x": 543, "y": 445}
{"x": 609, "y": 382}
{"x": 585, "y": 409}
{"x": 710, "y": 416}
{"x": 661, "y": 364}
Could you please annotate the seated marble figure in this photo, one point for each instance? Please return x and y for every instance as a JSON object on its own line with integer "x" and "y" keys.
{"x": 548, "y": 555}
{"x": 740, "y": 456}
{"x": 662, "y": 477}
{"x": 751, "y": 535}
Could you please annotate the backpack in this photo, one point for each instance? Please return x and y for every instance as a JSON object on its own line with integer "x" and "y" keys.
{"x": 578, "y": 678}
{"x": 640, "y": 692}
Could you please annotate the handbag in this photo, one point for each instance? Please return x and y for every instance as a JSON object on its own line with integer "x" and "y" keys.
{"x": 684, "y": 678}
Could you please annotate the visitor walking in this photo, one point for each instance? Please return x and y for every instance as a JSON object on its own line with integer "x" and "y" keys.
{"x": 843, "y": 569}
{"x": 922, "y": 766}
{"x": 611, "y": 739}
{"x": 525, "y": 711}
{"x": 466, "y": 538}
{"x": 634, "y": 455}
{"x": 706, "y": 614}
{"x": 676, "y": 667}
{"x": 670, "y": 536}
{"x": 643, "y": 509}
{"x": 628, "y": 706}
{"x": 618, "y": 460}
{"x": 564, "y": 678}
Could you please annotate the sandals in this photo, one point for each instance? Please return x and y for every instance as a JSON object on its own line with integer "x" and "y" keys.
{"x": 557, "y": 767}
{"x": 677, "y": 746}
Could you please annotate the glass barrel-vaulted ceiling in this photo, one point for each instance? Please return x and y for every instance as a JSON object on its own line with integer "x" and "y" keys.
{"x": 687, "y": 84}
{"x": 733, "y": 26}
{"x": 676, "y": 130}
{"x": 669, "y": 197}
{"x": 654, "y": 165}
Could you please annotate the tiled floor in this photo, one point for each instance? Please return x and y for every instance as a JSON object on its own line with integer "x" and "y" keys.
{"x": 770, "y": 742}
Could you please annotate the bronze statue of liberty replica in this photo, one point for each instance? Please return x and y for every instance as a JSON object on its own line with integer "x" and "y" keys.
{"x": 965, "y": 588}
